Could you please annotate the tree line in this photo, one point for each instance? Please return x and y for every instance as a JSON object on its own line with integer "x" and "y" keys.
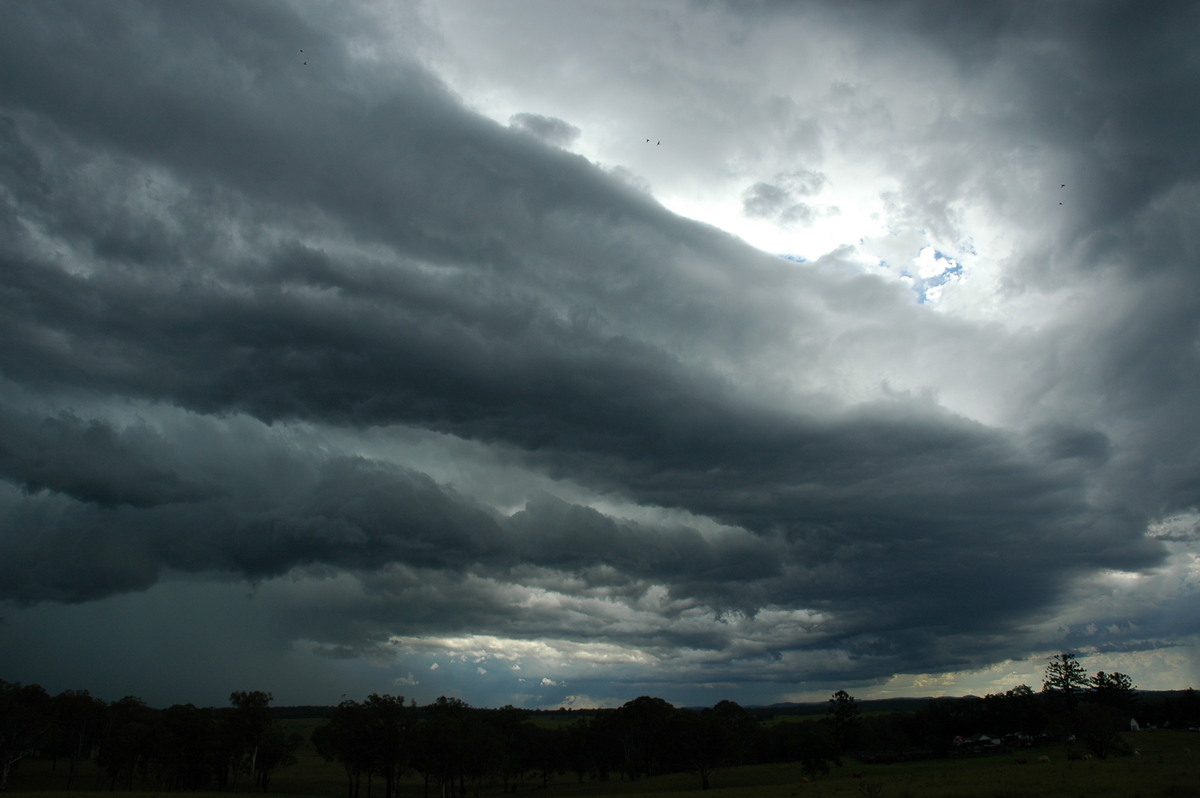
{"x": 180, "y": 748}
{"x": 458, "y": 750}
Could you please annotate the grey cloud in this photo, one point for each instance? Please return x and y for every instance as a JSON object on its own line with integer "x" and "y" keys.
{"x": 546, "y": 128}
{"x": 90, "y": 461}
{"x": 726, "y": 571}
{"x": 342, "y": 511}
{"x": 777, "y": 200}
{"x": 1063, "y": 442}
{"x": 204, "y": 223}
{"x": 764, "y": 200}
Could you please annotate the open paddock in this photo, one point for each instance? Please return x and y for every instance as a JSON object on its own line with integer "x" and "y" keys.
{"x": 1168, "y": 766}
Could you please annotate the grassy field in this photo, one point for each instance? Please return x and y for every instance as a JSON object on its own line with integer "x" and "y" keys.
{"x": 1169, "y": 765}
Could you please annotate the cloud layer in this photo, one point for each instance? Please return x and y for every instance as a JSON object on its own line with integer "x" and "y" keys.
{"x": 442, "y": 391}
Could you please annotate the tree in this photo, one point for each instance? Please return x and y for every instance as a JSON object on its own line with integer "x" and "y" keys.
{"x": 482, "y": 753}
{"x": 817, "y": 748}
{"x": 245, "y": 729}
{"x": 78, "y": 719}
{"x": 440, "y": 741}
{"x": 644, "y": 724}
{"x": 186, "y": 748}
{"x": 1065, "y": 678}
{"x": 129, "y": 735}
{"x": 386, "y": 732}
{"x": 25, "y": 723}
{"x": 1113, "y": 690}
{"x": 345, "y": 739}
{"x": 276, "y": 750}
{"x": 843, "y": 719}
{"x": 711, "y": 739}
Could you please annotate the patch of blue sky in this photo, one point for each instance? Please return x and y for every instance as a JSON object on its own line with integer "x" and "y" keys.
{"x": 934, "y": 269}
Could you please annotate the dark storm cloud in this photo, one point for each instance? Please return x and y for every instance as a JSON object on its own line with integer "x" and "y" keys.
{"x": 88, "y": 461}
{"x": 343, "y": 512}
{"x": 191, "y": 217}
{"x": 346, "y": 512}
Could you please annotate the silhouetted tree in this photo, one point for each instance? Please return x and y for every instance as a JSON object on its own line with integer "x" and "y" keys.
{"x": 843, "y": 719}
{"x": 345, "y": 739}
{"x": 128, "y": 737}
{"x": 440, "y": 745}
{"x": 533, "y": 748}
{"x": 1065, "y": 679}
{"x": 78, "y": 720}
{"x": 1114, "y": 690}
{"x": 26, "y": 723}
{"x": 386, "y": 736}
{"x": 644, "y": 723}
{"x": 245, "y": 729}
{"x": 818, "y": 747}
{"x": 712, "y": 739}
{"x": 520, "y": 752}
{"x": 276, "y": 750}
{"x": 186, "y": 748}
{"x": 481, "y": 753}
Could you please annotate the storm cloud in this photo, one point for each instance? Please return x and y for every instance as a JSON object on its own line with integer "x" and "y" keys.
{"x": 412, "y": 380}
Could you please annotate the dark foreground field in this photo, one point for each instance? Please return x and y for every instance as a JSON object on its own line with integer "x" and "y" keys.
{"x": 1168, "y": 765}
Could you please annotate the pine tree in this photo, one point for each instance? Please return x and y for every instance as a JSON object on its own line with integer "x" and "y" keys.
{"x": 1065, "y": 678}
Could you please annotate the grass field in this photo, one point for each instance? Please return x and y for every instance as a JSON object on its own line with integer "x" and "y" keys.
{"x": 1169, "y": 765}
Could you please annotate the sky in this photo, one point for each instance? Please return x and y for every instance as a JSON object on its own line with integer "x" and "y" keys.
{"x": 557, "y": 353}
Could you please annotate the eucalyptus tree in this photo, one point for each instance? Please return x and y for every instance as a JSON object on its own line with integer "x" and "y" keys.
{"x": 128, "y": 739}
{"x": 387, "y": 732}
{"x": 644, "y": 725}
{"x": 711, "y": 739}
{"x": 78, "y": 720}
{"x": 346, "y": 739}
{"x": 25, "y": 724}
{"x": 244, "y": 730}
